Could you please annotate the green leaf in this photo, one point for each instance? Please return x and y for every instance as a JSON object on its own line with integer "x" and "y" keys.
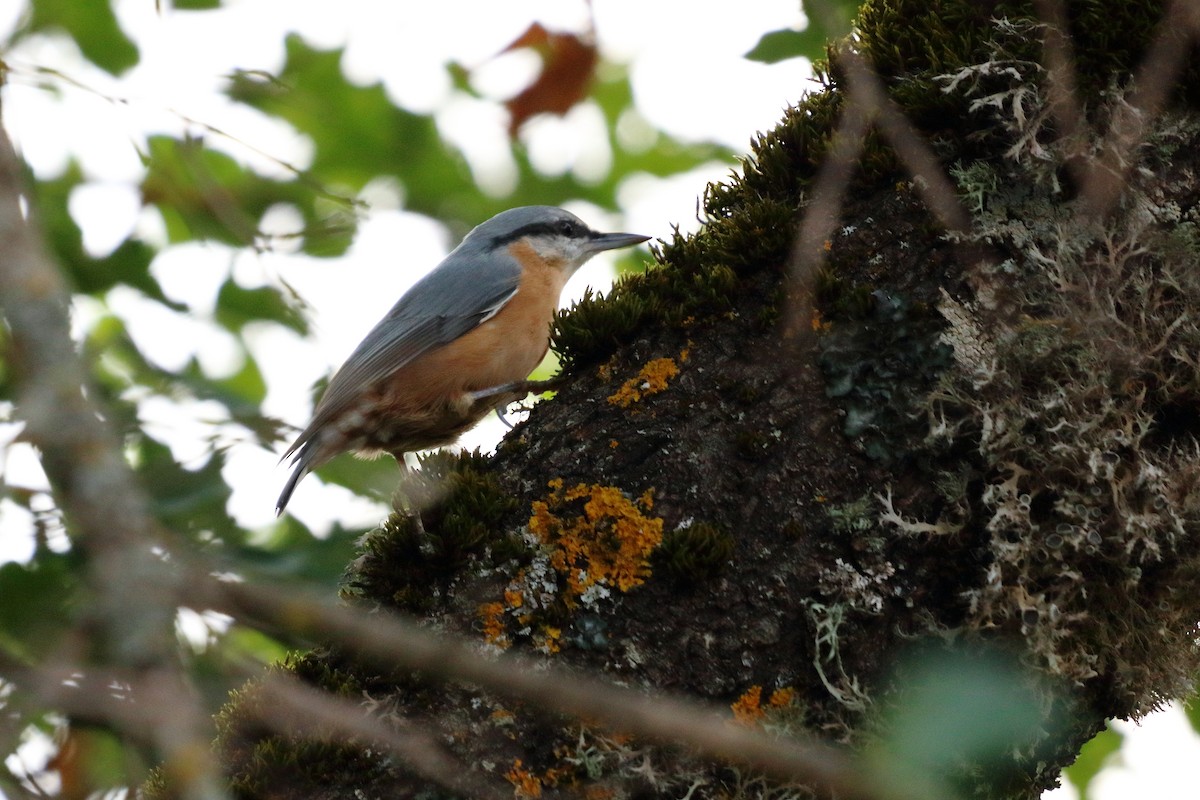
{"x": 1191, "y": 707}
{"x": 956, "y": 708}
{"x": 238, "y": 306}
{"x": 783, "y": 44}
{"x": 93, "y": 26}
{"x": 374, "y": 478}
{"x": 358, "y": 133}
{"x": 128, "y": 264}
{"x": 291, "y": 552}
{"x": 195, "y": 5}
{"x": 185, "y": 500}
{"x": 205, "y": 194}
{"x": 828, "y": 20}
{"x": 1093, "y": 757}
{"x": 39, "y": 598}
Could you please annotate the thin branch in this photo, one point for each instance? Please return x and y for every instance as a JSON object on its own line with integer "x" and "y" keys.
{"x": 1156, "y": 78}
{"x": 822, "y": 214}
{"x": 135, "y": 592}
{"x": 295, "y": 709}
{"x": 865, "y": 88}
{"x": 393, "y": 642}
{"x": 1063, "y": 90}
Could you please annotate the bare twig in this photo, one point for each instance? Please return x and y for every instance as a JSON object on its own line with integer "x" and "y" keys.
{"x": 295, "y": 709}
{"x": 1059, "y": 57}
{"x": 1153, "y": 84}
{"x": 864, "y": 87}
{"x": 822, "y": 214}
{"x": 135, "y": 590}
{"x": 398, "y": 643}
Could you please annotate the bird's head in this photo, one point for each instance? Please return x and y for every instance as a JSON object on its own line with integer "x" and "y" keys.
{"x": 558, "y": 236}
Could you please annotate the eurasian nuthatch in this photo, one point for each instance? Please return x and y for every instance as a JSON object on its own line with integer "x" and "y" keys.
{"x": 459, "y": 343}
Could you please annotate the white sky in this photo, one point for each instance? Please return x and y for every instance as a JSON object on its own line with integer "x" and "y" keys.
{"x": 689, "y": 78}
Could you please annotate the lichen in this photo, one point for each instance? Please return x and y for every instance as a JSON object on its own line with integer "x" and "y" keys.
{"x": 608, "y": 545}
{"x": 1073, "y": 376}
{"x": 583, "y": 544}
{"x": 651, "y": 379}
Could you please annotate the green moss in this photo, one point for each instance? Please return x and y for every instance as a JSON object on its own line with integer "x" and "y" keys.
{"x": 916, "y": 46}
{"x": 463, "y": 515}
{"x": 263, "y": 763}
{"x": 695, "y": 553}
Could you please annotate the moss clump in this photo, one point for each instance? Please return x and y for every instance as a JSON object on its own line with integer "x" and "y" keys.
{"x": 263, "y": 763}
{"x": 697, "y": 552}
{"x": 697, "y": 285}
{"x": 463, "y": 514}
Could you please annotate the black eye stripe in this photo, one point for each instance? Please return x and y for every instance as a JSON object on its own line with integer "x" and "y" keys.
{"x": 562, "y": 227}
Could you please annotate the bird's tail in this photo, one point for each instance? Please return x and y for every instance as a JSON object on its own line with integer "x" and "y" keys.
{"x": 301, "y": 465}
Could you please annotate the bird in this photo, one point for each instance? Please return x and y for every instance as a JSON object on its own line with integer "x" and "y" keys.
{"x": 461, "y": 342}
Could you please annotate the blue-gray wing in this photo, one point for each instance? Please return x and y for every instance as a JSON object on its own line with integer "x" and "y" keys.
{"x": 452, "y": 300}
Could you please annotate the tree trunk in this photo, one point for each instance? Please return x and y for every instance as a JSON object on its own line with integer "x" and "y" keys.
{"x": 972, "y": 471}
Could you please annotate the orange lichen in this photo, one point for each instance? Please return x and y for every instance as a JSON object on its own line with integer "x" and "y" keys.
{"x": 653, "y": 378}
{"x": 549, "y": 639}
{"x": 747, "y": 709}
{"x": 782, "y": 698}
{"x": 513, "y": 598}
{"x": 613, "y": 443}
{"x": 608, "y": 544}
{"x": 491, "y": 618}
{"x": 525, "y": 783}
{"x": 818, "y": 323}
{"x": 751, "y": 711}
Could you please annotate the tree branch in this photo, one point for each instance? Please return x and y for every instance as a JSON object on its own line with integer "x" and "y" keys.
{"x": 393, "y": 642}
{"x": 135, "y": 592}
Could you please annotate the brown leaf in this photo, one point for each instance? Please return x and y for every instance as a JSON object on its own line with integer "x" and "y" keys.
{"x": 568, "y": 64}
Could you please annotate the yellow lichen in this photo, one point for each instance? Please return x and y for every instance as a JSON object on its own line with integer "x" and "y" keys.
{"x": 491, "y": 618}
{"x": 747, "y": 709}
{"x": 549, "y": 639}
{"x": 609, "y": 544}
{"x": 782, "y": 698}
{"x": 525, "y": 783}
{"x": 750, "y": 710}
{"x": 653, "y": 378}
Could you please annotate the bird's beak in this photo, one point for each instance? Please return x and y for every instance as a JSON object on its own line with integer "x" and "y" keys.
{"x": 613, "y": 241}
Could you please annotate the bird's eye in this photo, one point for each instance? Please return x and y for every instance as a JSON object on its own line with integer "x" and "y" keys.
{"x": 567, "y": 228}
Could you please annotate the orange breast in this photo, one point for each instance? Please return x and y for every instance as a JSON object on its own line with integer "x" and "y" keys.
{"x": 504, "y": 349}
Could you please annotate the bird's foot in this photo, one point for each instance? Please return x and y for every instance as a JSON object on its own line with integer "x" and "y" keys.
{"x": 515, "y": 387}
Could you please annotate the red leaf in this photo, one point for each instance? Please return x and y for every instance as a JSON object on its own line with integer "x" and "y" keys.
{"x": 568, "y": 64}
